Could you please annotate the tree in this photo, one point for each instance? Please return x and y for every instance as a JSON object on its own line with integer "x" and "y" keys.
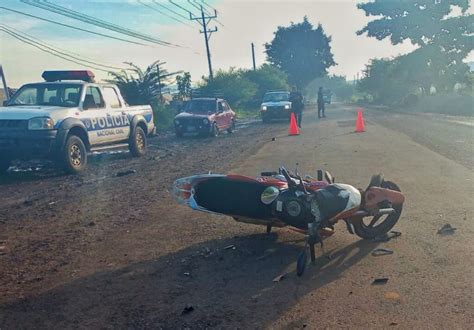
{"x": 141, "y": 87}
{"x": 266, "y": 78}
{"x": 301, "y": 51}
{"x": 184, "y": 86}
{"x": 444, "y": 39}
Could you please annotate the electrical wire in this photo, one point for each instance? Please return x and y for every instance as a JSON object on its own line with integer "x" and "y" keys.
{"x": 11, "y": 33}
{"x": 59, "y": 50}
{"x": 74, "y": 27}
{"x": 171, "y": 10}
{"x": 163, "y": 13}
{"x": 94, "y": 21}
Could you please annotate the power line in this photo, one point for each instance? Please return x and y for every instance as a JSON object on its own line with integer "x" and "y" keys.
{"x": 163, "y": 13}
{"x": 16, "y": 36}
{"x": 94, "y": 21}
{"x": 170, "y": 10}
{"x": 74, "y": 27}
{"x": 57, "y": 49}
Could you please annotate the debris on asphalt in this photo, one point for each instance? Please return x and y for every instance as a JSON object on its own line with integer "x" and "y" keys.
{"x": 123, "y": 173}
{"x": 279, "y": 277}
{"x": 393, "y": 323}
{"x": 381, "y": 252}
{"x": 273, "y": 138}
{"x": 391, "y": 295}
{"x": 447, "y": 229}
{"x": 187, "y": 274}
{"x": 387, "y": 237}
{"x": 232, "y": 246}
{"x": 380, "y": 281}
{"x": 187, "y": 309}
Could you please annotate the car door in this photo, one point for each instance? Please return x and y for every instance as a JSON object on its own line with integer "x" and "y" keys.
{"x": 94, "y": 115}
{"x": 229, "y": 114}
{"x": 221, "y": 115}
{"x": 117, "y": 118}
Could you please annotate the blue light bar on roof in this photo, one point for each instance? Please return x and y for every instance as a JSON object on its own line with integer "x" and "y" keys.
{"x": 84, "y": 75}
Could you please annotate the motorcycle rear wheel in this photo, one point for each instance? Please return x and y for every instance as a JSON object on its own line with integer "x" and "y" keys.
{"x": 371, "y": 227}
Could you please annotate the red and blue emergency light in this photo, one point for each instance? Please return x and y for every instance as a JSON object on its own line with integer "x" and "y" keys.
{"x": 84, "y": 75}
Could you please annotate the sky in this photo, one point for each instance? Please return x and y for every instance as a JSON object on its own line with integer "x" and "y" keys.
{"x": 244, "y": 22}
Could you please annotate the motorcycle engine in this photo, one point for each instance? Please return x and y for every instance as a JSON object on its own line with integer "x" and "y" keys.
{"x": 294, "y": 210}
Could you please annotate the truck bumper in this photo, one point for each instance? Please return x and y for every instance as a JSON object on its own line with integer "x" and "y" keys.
{"x": 27, "y": 145}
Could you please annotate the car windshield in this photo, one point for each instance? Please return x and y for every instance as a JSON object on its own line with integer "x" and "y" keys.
{"x": 200, "y": 106}
{"x": 61, "y": 95}
{"x": 275, "y": 97}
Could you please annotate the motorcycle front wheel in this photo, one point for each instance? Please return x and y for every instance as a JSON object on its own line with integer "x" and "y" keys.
{"x": 370, "y": 227}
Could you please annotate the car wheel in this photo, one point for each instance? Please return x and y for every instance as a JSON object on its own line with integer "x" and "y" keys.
{"x": 232, "y": 127}
{"x": 4, "y": 166}
{"x": 214, "y": 130}
{"x": 138, "y": 142}
{"x": 74, "y": 155}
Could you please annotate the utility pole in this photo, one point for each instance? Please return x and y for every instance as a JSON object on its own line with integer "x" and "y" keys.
{"x": 204, "y": 21}
{"x": 4, "y": 81}
{"x": 253, "y": 57}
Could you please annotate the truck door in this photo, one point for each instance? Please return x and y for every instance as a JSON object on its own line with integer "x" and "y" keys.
{"x": 94, "y": 115}
{"x": 117, "y": 116}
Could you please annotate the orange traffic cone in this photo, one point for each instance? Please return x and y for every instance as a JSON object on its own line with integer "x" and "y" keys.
{"x": 293, "y": 130}
{"x": 360, "y": 127}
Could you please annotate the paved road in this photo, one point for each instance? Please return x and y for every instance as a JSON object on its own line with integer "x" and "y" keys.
{"x": 94, "y": 262}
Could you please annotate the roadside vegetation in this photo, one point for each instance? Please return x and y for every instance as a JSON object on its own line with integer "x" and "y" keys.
{"x": 432, "y": 78}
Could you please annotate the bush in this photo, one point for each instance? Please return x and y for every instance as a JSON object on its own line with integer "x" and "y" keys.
{"x": 163, "y": 116}
{"x": 449, "y": 104}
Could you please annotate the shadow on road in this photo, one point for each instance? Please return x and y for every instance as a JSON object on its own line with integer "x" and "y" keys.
{"x": 226, "y": 287}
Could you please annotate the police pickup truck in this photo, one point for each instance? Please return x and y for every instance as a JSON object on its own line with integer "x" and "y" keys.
{"x": 68, "y": 116}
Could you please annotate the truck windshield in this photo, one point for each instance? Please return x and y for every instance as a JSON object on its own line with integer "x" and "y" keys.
{"x": 61, "y": 95}
{"x": 275, "y": 97}
{"x": 200, "y": 106}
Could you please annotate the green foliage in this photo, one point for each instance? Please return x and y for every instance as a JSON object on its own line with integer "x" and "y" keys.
{"x": 141, "y": 87}
{"x": 301, "y": 51}
{"x": 244, "y": 89}
{"x": 163, "y": 116}
{"x": 339, "y": 87}
{"x": 232, "y": 84}
{"x": 266, "y": 78}
{"x": 184, "y": 86}
{"x": 444, "y": 41}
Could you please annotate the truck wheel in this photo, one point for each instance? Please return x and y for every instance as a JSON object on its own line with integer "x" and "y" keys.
{"x": 137, "y": 144}
{"x": 231, "y": 128}
{"x": 4, "y": 165}
{"x": 74, "y": 157}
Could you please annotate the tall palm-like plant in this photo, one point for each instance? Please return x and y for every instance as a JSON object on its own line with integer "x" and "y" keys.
{"x": 142, "y": 87}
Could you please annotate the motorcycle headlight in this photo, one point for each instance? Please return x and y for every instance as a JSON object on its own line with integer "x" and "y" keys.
{"x": 205, "y": 121}
{"x": 287, "y": 106}
{"x": 264, "y": 108}
{"x": 40, "y": 123}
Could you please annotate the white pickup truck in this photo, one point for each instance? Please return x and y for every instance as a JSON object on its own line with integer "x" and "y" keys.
{"x": 68, "y": 116}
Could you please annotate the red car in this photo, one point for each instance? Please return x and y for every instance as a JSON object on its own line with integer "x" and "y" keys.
{"x": 205, "y": 116}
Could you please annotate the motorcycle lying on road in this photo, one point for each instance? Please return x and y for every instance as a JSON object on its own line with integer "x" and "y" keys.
{"x": 308, "y": 205}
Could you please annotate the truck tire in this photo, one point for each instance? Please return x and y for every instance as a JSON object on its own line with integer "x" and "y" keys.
{"x": 74, "y": 155}
{"x": 4, "y": 165}
{"x": 138, "y": 142}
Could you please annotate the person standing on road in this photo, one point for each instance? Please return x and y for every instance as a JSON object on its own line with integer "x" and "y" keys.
{"x": 297, "y": 105}
{"x": 321, "y": 103}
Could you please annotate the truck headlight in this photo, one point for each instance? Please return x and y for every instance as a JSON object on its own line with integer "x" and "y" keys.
{"x": 40, "y": 123}
{"x": 264, "y": 108}
{"x": 205, "y": 121}
{"x": 287, "y": 107}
